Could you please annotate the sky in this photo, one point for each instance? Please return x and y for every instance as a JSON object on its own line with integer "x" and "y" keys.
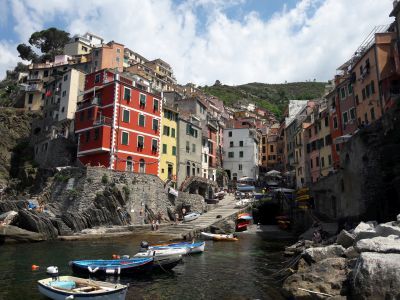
{"x": 234, "y": 41}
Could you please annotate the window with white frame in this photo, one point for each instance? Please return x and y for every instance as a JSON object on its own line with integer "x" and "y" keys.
{"x": 141, "y": 120}
{"x": 125, "y": 116}
{"x": 125, "y": 138}
{"x": 140, "y": 141}
{"x": 127, "y": 94}
{"x": 142, "y": 100}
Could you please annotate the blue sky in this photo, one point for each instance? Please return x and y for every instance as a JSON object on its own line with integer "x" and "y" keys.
{"x": 235, "y": 41}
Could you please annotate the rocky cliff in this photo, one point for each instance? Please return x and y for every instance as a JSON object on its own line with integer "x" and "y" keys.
{"x": 78, "y": 198}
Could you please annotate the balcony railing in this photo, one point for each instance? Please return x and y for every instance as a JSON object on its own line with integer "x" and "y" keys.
{"x": 32, "y": 88}
{"x": 102, "y": 121}
{"x": 35, "y": 77}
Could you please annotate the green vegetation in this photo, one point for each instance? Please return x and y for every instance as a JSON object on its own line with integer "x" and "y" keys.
{"x": 273, "y": 97}
{"x": 104, "y": 179}
{"x": 62, "y": 177}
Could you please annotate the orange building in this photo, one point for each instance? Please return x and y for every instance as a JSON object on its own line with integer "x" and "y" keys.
{"x": 108, "y": 56}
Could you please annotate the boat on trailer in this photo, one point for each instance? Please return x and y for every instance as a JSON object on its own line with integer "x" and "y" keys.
{"x": 69, "y": 287}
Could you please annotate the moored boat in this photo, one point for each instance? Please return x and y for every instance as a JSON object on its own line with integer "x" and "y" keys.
{"x": 219, "y": 237}
{"x": 191, "y": 247}
{"x": 69, "y": 287}
{"x": 162, "y": 252}
{"x": 191, "y": 217}
{"x": 243, "y": 221}
{"x": 242, "y": 203}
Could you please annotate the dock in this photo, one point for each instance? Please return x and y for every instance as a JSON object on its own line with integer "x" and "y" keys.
{"x": 225, "y": 210}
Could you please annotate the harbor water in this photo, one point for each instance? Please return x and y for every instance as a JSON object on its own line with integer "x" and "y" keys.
{"x": 226, "y": 270}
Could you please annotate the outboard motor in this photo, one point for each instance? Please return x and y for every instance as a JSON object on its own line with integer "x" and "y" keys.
{"x": 144, "y": 246}
{"x": 52, "y": 271}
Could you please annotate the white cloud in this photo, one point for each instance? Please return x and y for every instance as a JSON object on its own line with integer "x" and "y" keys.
{"x": 8, "y": 57}
{"x": 306, "y": 42}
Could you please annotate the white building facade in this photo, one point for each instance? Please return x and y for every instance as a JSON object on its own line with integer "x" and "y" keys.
{"x": 241, "y": 153}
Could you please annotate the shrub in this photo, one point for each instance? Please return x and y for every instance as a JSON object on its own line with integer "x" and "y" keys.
{"x": 104, "y": 179}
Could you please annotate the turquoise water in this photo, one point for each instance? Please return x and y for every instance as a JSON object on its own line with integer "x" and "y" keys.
{"x": 226, "y": 270}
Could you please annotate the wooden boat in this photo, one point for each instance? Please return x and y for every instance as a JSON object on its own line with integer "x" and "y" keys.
{"x": 191, "y": 217}
{"x": 190, "y": 247}
{"x": 69, "y": 287}
{"x": 219, "y": 237}
{"x": 162, "y": 252}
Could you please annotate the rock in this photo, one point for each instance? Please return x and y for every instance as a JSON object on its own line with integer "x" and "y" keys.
{"x": 8, "y": 217}
{"x": 327, "y": 276}
{"x": 389, "y": 244}
{"x": 345, "y": 239}
{"x": 320, "y": 253}
{"x": 351, "y": 253}
{"x": 376, "y": 276}
{"x": 9, "y": 233}
{"x": 387, "y": 229}
{"x": 365, "y": 231}
{"x": 37, "y": 222}
{"x": 398, "y": 218}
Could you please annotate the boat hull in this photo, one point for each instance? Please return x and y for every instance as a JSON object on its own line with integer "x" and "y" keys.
{"x": 190, "y": 217}
{"x": 56, "y": 294}
{"x": 219, "y": 237}
{"x": 190, "y": 247}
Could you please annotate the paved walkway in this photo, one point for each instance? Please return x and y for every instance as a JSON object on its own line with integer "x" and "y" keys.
{"x": 188, "y": 230}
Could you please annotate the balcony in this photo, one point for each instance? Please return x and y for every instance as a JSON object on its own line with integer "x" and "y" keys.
{"x": 32, "y": 88}
{"x": 102, "y": 121}
{"x": 35, "y": 77}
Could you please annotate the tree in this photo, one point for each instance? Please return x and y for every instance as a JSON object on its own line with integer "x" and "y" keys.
{"x": 50, "y": 41}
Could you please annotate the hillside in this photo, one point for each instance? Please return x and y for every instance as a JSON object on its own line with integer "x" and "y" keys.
{"x": 273, "y": 97}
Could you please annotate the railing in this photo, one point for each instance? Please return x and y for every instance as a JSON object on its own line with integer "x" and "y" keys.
{"x": 35, "y": 77}
{"x": 102, "y": 121}
{"x": 32, "y": 88}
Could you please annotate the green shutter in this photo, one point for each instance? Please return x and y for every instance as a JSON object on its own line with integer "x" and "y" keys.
{"x": 127, "y": 94}
{"x": 173, "y": 132}
{"x": 155, "y": 105}
{"x": 164, "y": 148}
{"x": 125, "y": 137}
{"x": 125, "y": 116}
{"x": 141, "y": 120}
{"x": 174, "y": 150}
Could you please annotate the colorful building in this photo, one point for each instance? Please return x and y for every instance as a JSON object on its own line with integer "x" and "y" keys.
{"x": 169, "y": 144}
{"x": 118, "y": 123}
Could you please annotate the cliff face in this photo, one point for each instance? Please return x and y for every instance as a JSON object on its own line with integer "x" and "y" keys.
{"x": 15, "y": 155}
{"x": 367, "y": 186}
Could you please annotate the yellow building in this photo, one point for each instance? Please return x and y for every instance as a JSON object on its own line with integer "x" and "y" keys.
{"x": 169, "y": 147}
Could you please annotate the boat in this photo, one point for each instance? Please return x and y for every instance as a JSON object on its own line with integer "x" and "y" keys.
{"x": 243, "y": 221}
{"x": 191, "y": 217}
{"x": 245, "y": 216}
{"x": 219, "y": 237}
{"x": 190, "y": 247}
{"x": 242, "y": 203}
{"x": 302, "y": 198}
{"x": 162, "y": 252}
{"x": 69, "y": 287}
{"x": 112, "y": 267}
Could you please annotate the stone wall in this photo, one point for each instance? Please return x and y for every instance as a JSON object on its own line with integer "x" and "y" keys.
{"x": 367, "y": 186}
{"x": 56, "y": 152}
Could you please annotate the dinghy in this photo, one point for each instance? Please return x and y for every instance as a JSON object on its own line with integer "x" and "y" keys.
{"x": 219, "y": 237}
{"x": 69, "y": 287}
{"x": 191, "y": 247}
{"x": 162, "y": 252}
{"x": 191, "y": 217}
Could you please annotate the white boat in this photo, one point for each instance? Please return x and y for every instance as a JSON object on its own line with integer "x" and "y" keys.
{"x": 191, "y": 217}
{"x": 219, "y": 237}
{"x": 162, "y": 252}
{"x": 69, "y": 287}
{"x": 242, "y": 203}
{"x": 190, "y": 247}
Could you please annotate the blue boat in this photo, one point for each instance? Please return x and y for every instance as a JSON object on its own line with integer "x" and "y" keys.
{"x": 245, "y": 188}
{"x": 192, "y": 247}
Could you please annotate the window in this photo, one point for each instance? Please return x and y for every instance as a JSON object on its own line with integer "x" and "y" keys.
{"x": 187, "y": 147}
{"x": 127, "y": 94}
{"x": 142, "y": 166}
{"x": 89, "y": 113}
{"x": 30, "y": 99}
{"x": 368, "y": 90}
{"x": 166, "y": 130}
{"x": 174, "y": 150}
{"x": 125, "y": 116}
{"x": 240, "y": 143}
{"x": 317, "y": 161}
{"x": 240, "y": 167}
{"x": 241, "y": 154}
{"x": 142, "y": 100}
{"x": 345, "y": 118}
{"x": 342, "y": 93}
{"x": 205, "y": 157}
{"x": 173, "y": 132}
{"x": 97, "y": 78}
{"x": 46, "y": 73}
{"x": 125, "y": 138}
{"x": 155, "y": 124}
{"x": 337, "y": 147}
{"x": 350, "y": 89}
{"x": 363, "y": 94}
{"x": 82, "y": 116}
{"x": 141, "y": 120}
{"x": 230, "y": 154}
{"x": 335, "y": 124}
{"x": 65, "y": 77}
{"x": 230, "y": 133}
{"x": 96, "y": 53}
{"x": 194, "y": 148}
{"x": 87, "y": 136}
{"x": 64, "y": 93}
{"x": 129, "y": 164}
{"x": 96, "y": 134}
{"x": 323, "y": 161}
{"x": 164, "y": 148}
{"x": 231, "y": 144}
{"x": 118, "y": 50}
{"x": 352, "y": 113}
{"x": 140, "y": 142}
{"x": 328, "y": 140}
{"x": 326, "y": 121}
{"x": 117, "y": 59}
{"x": 63, "y": 109}
{"x": 271, "y": 148}
{"x": 263, "y": 149}
{"x": 372, "y": 87}
{"x": 372, "y": 114}
{"x": 357, "y": 101}
{"x": 330, "y": 159}
{"x": 311, "y": 163}
{"x": 154, "y": 145}
{"x": 155, "y": 104}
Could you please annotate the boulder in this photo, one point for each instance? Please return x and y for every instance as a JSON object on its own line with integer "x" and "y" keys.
{"x": 398, "y": 218}
{"x": 387, "y": 229}
{"x": 351, "y": 253}
{"x": 327, "y": 276}
{"x": 365, "y": 231}
{"x": 9, "y": 233}
{"x": 389, "y": 244}
{"x": 376, "y": 276}
{"x": 8, "y": 217}
{"x": 37, "y": 222}
{"x": 345, "y": 239}
{"x": 320, "y": 253}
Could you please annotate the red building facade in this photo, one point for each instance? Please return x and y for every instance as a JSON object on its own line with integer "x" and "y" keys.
{"x": 118, "y": 123}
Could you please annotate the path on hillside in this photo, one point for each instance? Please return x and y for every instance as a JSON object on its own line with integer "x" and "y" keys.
{"x": 188, "y": 230}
